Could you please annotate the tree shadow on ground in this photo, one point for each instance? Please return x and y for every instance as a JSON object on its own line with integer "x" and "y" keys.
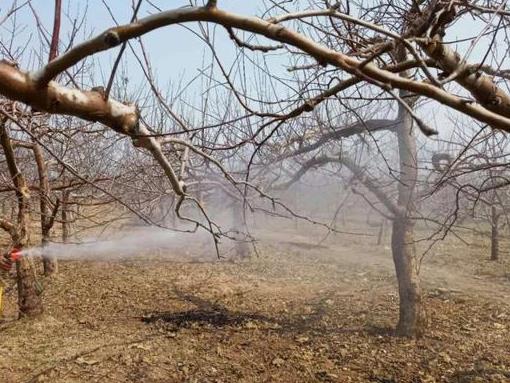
{"x": 214, "y": 314}
{"x": 206, "y": 313}
{"x": 214, "y": 318}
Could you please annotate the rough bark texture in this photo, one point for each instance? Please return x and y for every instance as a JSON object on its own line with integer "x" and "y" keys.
{"x": 412, "y": 318}
{"x": 29, "y": 300}
{"x": 55, "y": 36}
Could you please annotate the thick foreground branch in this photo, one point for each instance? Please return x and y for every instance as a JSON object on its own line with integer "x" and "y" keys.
{"x": 276, "y": 32}
{"x": 88, "y": 105}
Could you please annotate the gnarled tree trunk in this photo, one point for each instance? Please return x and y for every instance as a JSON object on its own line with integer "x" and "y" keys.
{"x": 29, "y": 300}
{"x": 412, "y": 318}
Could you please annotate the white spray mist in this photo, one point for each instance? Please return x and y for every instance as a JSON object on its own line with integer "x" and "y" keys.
{"x": 125, "y": 244}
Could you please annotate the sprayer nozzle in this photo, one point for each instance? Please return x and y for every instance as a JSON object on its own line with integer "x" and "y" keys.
{"x": 16, "y": 255}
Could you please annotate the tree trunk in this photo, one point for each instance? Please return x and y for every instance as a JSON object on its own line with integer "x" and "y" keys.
{"x": 29, "y": 300}
{"x": 494, "y": 234}
{"x": 380, "y": 234}
{"x": 50, "y": 263}
{"x": 65, "y": 216}
{"x": 412, "y": 318}
{"x": 242, "y": 249}
{"x": 46, "y": 215}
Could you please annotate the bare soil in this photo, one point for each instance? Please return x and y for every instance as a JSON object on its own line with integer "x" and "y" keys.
{"x": 296, "y": 313}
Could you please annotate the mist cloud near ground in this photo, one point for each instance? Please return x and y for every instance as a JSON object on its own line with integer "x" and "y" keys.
{"x": 123, "y": 244}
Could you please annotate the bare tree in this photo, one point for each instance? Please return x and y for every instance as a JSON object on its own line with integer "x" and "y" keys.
{"x": 395, "y": 50}
{"x": 477, "y": 174}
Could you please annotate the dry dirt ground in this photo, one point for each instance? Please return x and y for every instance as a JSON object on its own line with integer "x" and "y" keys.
{"x": 295, "y": 313}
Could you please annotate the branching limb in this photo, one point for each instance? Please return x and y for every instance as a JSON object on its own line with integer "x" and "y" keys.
{"x": 242, "y": 44}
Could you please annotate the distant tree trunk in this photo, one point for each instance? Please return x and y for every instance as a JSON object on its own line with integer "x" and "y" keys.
{"x": 50, "y": 263}
{"x": 242, "y": 248}
{"x": 296, "y": 201}
{"x": 47, "y": 216}
{"x": 380, "y": 234}
{"x": 494, "y": 234}
{"x": 65, "y": 216}
{"x": 173, "y": 214}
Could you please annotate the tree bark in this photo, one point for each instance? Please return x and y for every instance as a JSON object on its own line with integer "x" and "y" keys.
{"x": 29, "y": 299}
{"x": 50, "y": 263}
{"x": 494, "y": 234}
{"x": 242, "y": 249}
{"x": 65, "y": 216}
{"x": 47, "y": 216}
{"x": 380, "y": 234}
{"x": 412, "y": 318}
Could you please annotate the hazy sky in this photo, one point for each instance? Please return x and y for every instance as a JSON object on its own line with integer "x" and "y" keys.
{"x": 173, "y": 50}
